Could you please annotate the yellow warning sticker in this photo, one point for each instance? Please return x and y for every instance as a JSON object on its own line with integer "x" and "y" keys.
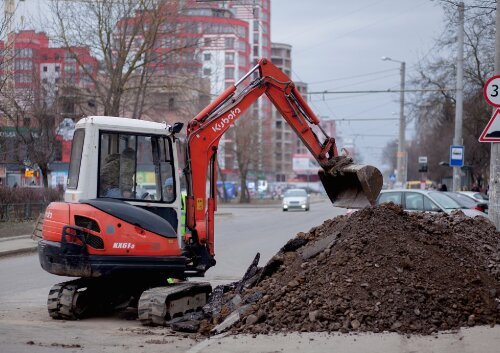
{"x": 199, "y": 204}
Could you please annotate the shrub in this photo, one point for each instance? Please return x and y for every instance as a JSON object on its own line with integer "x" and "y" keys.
{"x": 11, "y": 196}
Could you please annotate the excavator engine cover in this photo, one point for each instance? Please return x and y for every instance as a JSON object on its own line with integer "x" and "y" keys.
{"x": 352, "y": 186}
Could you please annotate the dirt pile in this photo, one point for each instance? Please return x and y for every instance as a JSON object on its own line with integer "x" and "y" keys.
{"x": 381, "y": 269}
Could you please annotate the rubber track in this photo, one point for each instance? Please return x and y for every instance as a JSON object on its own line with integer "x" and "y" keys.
{"x": 152, "y": 307}
{"x": 60, "y": 301}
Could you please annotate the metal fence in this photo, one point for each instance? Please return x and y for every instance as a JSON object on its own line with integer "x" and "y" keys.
{"x": 21, "y": 211}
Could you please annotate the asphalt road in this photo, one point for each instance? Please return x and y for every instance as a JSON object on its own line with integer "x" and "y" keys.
{"x": 26, "y": 327}
{"x": 246, "y": 231}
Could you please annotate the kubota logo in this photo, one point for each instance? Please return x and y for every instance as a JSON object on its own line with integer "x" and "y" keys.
{"x": 123, "y": 246}
{"x": 227, "y": 120}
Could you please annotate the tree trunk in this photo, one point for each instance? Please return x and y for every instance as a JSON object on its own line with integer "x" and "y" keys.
{"x": 223, "y": 179}
{"x": 244, "y": 194}
{"x": 44, "y": 170}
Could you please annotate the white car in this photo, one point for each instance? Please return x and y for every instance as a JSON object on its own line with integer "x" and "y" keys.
{"x": 425, "y": 200}
{"x": 476, "y": 195}
{"x": 295, "y": 199}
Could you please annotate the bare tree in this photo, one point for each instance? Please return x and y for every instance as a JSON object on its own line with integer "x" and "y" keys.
{"x": 245, "y": 132}
{"x": 120, "y": 33}
{"x": 434, "y": 111}
{"x": 33, "y": 115}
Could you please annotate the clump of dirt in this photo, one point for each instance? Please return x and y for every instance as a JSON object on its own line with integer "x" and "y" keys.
{"x": 380, "y": 269}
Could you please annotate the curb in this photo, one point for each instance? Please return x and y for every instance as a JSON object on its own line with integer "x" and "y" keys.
{"x": 14, "y": 237}
{"x": 21, "y": 251}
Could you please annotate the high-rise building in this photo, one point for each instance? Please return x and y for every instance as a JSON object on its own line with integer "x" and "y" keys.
{"x": 283, "y": 137}
{"x": 43, "y": 73}
{"x": 45, "y": 80}
{"x": 258, "y": 15}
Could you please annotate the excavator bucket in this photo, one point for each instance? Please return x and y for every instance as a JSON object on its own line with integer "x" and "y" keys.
{"x": 352, "y": 186}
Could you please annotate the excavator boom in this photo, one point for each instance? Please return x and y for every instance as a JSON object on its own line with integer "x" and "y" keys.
{"x": 347, "y": 185}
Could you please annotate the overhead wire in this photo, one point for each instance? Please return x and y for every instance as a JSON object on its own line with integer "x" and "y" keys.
{"x": 351, "y": 77}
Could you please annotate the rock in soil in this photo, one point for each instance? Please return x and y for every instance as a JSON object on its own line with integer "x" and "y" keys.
{"x": 380, "y": 269}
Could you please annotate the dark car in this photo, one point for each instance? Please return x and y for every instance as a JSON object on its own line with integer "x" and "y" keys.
{"x": 468, "y": 201}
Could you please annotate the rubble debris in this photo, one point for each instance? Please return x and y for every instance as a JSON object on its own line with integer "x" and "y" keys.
{"x": 380, "y": 269}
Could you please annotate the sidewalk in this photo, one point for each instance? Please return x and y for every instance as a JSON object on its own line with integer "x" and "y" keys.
{"x": 22, "y": 244}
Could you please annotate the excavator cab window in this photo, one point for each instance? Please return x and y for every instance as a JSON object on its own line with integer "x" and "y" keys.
{"x": 76, "y": 158}
{"x": 134, "y": 167}
{"x": 166, "y": 171}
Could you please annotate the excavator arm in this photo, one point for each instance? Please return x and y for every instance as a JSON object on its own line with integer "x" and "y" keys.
{"x": 346, "y": 184}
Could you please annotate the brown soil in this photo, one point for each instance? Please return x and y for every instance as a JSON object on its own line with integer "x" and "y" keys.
{"x": 381, "y": 269}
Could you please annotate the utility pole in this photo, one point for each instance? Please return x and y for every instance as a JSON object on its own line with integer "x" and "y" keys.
{"x": 401, "y": 155}
{"x": 494, "y": 190}
{"x": 457, "y": 139}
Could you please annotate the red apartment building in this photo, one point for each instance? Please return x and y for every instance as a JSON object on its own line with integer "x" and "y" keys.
{"x": 42, "y": 74}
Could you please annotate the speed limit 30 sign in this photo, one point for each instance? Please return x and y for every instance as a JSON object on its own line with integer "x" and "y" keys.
{"x": 491, "y": 91}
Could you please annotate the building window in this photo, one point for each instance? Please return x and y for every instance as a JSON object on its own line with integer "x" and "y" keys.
{"x": 229, "y": 73}
{"x": 24, "y": 53}
{"x": 207, "y": 71}
{"x": 70, "y": 69}
{"x": 229, "y": 58}
{"x": 23, "y": 78}
{"x": 45, "y": 69}
{"x": 23, "y": 64}
{"x": 229, "y": 43}
{"x": 57, "y": 68}
{"x": 207, "y": 56}
{"x": 256, "y": 37}
{"x": 69, "y": 57}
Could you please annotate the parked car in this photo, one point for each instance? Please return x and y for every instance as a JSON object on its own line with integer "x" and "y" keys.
{"x": 425, "y": 200}
{"x": 468, "y": 201}
{"x": 295, "y": 199}
{"x": 479, "y": 196}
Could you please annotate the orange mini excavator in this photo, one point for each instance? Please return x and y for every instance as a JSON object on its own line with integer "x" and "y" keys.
{"x": 120, "y": 229}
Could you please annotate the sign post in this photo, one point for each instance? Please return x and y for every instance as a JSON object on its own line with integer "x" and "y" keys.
{"x": 494, "y": 187}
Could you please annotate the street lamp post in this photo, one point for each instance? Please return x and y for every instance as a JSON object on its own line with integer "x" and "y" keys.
{"x": 401, "y": 155}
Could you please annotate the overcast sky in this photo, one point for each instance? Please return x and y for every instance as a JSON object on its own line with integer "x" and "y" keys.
{"x": 338, "y": 45}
